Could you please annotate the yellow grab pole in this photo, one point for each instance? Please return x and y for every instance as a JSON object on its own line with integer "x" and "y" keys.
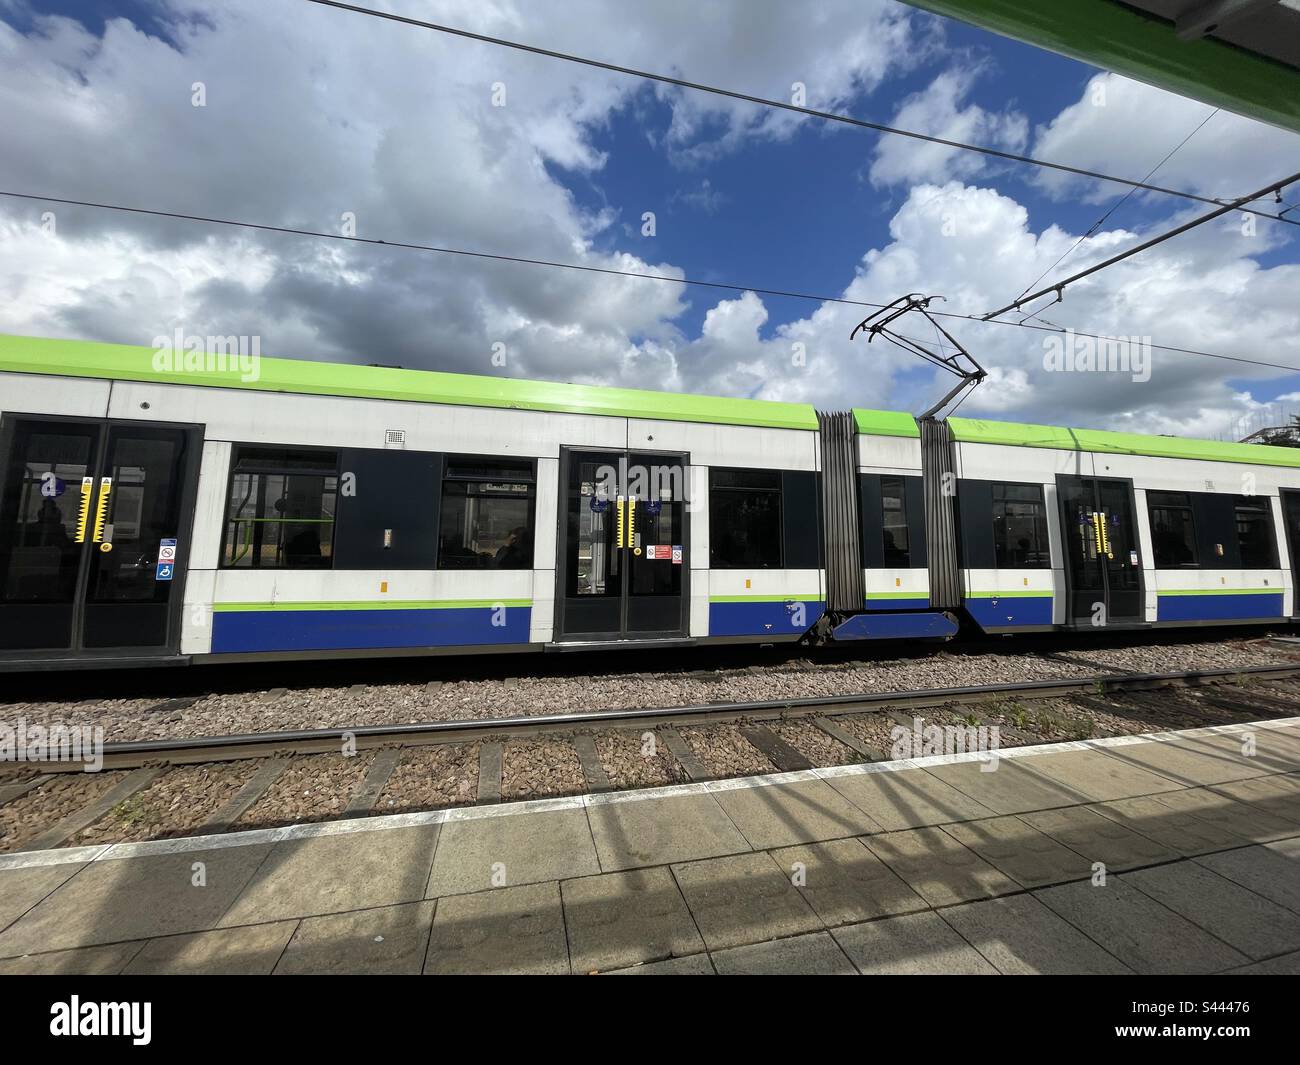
{"x": 83, "y": 508}
{"x": 101, "y": 507}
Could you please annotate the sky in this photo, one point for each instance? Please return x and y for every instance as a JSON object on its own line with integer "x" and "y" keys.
{"x": 286, "y": 113}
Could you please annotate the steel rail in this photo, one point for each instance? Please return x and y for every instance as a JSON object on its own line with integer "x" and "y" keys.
{"x": 217, "y": 748}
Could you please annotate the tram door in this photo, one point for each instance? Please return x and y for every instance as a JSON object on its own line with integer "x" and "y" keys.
{"x": 93, "y": 520}
{"x": 623, "y": 566}
{"x": 1103, "y": 570}
{"x": 1291, "y": 514}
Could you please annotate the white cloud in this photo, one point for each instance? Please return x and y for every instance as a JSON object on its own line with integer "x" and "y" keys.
{"x": 314, "y": 113}
{"x": 974, "y": 246}
{"x": 937, "y": 110}
{"x": 1124, "y": 127}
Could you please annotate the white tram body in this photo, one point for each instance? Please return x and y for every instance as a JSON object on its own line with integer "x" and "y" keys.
{"x": 171, "y": 511}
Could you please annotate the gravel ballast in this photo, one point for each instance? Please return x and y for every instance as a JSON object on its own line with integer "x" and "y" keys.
{"x": 26, "y": 817}
{"x": 631, "y": 761}
{"x": 178, "y": 803}
{"x": 541, "y": 769}
{"x": 394, "y": 704}
{"x": 429, "y": 777}
{"x": 725, "y": 752}
{"x": 316, "y": 787}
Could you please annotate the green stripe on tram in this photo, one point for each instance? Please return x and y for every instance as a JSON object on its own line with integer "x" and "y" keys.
{"x": 366, "y": 604}
{"x": 812, "y": 597}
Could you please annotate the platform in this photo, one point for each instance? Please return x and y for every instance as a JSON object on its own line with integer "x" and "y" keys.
{"x": 1175, "y": 852}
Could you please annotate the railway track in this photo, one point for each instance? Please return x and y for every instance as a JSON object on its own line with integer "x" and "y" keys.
{"x": 315, "y": 741}
{"x": 159, "y": 788}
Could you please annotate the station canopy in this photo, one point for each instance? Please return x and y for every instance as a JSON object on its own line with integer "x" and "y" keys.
{"x": 1240, "y": 55}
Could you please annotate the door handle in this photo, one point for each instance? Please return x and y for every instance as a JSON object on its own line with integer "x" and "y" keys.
{"x": 101, "y": 508}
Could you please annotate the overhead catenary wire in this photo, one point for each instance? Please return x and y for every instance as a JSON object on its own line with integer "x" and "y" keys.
{"x": 1120, "y": 203}
{"x": 1060, "y": 286}
{"x": 606, "y": 270}
{"x": 810, "y": 112}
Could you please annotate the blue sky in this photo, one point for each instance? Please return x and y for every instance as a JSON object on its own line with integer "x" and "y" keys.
{"x": 313, "y": 112}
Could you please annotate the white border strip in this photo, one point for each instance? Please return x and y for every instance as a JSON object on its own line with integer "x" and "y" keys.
{"x": 389, "y": 822}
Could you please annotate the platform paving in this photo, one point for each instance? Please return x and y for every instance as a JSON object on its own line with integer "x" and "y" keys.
{"x": 1171, "y": 853}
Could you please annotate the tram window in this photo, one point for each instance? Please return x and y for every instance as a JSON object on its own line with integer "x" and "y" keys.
{"x": 281, "y": 509}
{"x": 1020, "y": 527}
{"x": 893, "y": 520}
{"x": 1255, "y": 539}
{"x": 487, "y": 514}
{"x": 1173, "y": 531}
{"x": 744, "y": 519}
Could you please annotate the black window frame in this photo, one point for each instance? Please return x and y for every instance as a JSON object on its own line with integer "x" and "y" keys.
{"x": 1180, "y": 502}
{"x": 903, "y": 555}
{"x": 998, "y": 500}
{"x": 269, "y": 467}
{"x": 461, "y": 469}
{"x": 1263, "y": 505}
{"x": 755, "y": 475}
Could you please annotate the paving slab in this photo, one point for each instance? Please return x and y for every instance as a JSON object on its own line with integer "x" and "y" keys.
{"x": 1160, "y": 819}
{"x": 515, "y": 849}
{"x": 386, "y": 940}
{"x": 108, "y": 960}
{"x": 1010, "y": 788}
{"x": 745, "y": 898}
{"x": 1140, "y": 932}
{"x": 510, "y": 931}
{"x": 1264, "y": 870}
{"x": 914, "y": 944}
{"x": 845, "y": 883}
{"x": 21, "y": 889}
{"x": 645, "y": 832}
{"x": 1098, "y": 775}
{"x": 249, "y": 951}
{"x": 1276, "y": 795}
{"x": 1248, "y": 823}
{"x": 938, "y": 868}
{"x": 696, "y": 965}
{"x": 1282, "y": 740}
{"x": 619, "y": 919}
{"x": 1187, "y": 763}
{"x": 780, "y": 815}
{"x": 1020, "y": 936}
{"x": 1286, "y": 965}
{"x": 1238, "y": 916}
{"x": 331, "y": 874}
{"x": 1029, "y": 857}
{"x": 1275, "y": 751}
{"x": 811, "y": 955}
{"x": 1289, "y": 848}
{"x": 1099, "y": 838}
{"x": 908, "y": 798}
{"x": 114, "y": 900}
